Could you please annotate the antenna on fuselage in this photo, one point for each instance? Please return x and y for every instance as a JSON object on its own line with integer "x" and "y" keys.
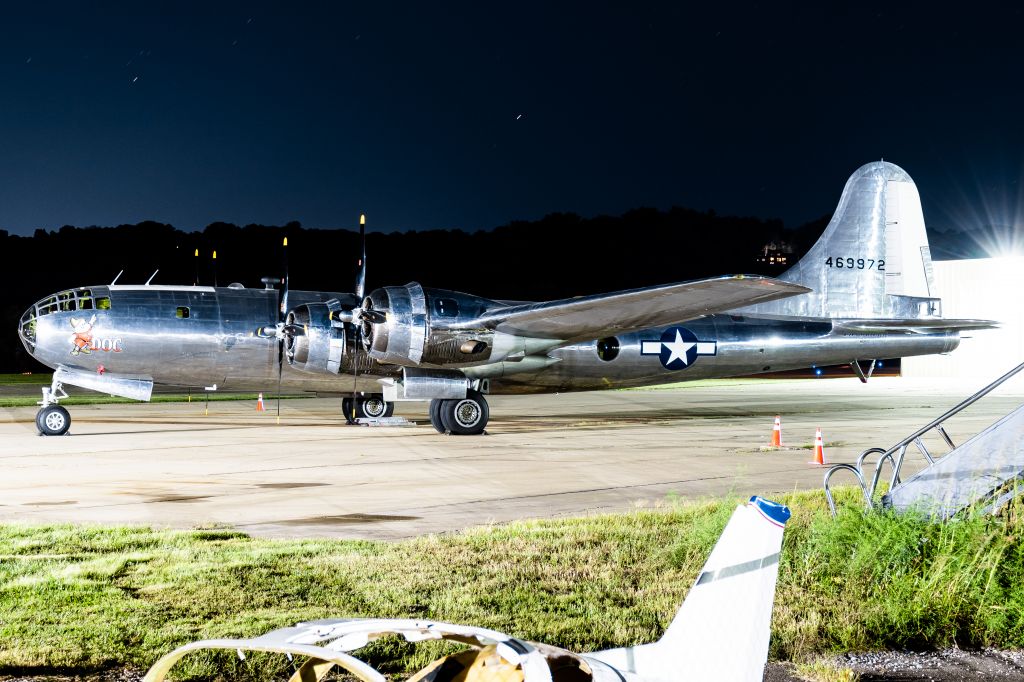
{"x": 197, "y": 269}
{"x": 117, "y": 278}
{"x": 152, "y": 276}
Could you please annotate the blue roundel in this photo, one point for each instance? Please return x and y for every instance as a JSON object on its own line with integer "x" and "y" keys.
{"x": 678, "y": 348}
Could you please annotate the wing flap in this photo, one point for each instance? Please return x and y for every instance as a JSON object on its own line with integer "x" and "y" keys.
{"x": 591, "y": 317}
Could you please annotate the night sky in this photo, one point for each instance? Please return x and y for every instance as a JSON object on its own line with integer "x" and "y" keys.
{"x": 443, "y": 115}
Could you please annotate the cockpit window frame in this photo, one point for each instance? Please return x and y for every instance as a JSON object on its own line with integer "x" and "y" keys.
{"x": 70, "y": 301}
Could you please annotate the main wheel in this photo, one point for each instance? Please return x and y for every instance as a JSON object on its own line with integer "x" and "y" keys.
{"x": 435, "y": 415}
{"x": 466, "y": 416}
{"x": 53, "y": 421}
{"x": 370, "y": 406}
{"x": 373, "y": 406}
{"x": 346, "y": 410}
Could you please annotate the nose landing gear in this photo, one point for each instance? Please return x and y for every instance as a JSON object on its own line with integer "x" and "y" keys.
{"x": 52, "y": 419}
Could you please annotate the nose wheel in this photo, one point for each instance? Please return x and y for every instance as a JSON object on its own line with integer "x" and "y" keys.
{"x": 53, "y": 421}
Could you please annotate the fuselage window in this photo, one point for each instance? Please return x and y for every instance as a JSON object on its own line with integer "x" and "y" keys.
{"x": 181, "y": 312}
{"x": 85, "y": 299}
{"x": 608, "y": 348}
{"x": 103, "y": 303}
{"x": 446, "y": 307}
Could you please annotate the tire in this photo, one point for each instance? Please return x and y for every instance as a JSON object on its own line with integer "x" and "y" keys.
{"x": 372, "y": 406}
{"x": 53, "y": 421}
{"x": 466, "y": 416}
{"x": 435, "y": 416}
{"x": 346, "y": 410}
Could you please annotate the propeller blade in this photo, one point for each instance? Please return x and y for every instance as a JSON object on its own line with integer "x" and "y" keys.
{"x": 283, "y": 307}
{"x": 373, "y": 316}
{"x": 351, "y": 418}
{"x": 361, "y": 272}
{"x": 357, "y": 315}
{"x": 282, "y": 310}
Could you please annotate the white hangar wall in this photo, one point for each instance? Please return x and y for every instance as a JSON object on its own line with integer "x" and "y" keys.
{"x": 983, "y": 288}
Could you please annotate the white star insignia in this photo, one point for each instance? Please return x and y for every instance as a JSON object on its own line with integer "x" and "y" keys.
{"x": 678, "y": 349}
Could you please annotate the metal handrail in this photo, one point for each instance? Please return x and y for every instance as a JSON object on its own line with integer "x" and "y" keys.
{"x": 860, "y": 458}
{"x": 878, "y": 471}
{"x": 860, "y": 479}
{"x": 963, "y": 404}
{"x": 901, "y": 447}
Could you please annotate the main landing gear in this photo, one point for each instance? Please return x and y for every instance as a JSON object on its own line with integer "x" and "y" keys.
{"x": 368, "y": 406}
{"x": 460, "y": 416}
{"x": 52, "y": 419}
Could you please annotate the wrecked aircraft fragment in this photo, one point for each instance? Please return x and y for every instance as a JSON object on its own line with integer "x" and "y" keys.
{"x": 721, "y": 631}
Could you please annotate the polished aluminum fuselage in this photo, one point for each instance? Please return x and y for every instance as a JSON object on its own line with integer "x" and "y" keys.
{"x": 143, "y": 334}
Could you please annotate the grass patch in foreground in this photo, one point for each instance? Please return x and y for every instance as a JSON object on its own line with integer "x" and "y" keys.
{"x": 81, "y": 598}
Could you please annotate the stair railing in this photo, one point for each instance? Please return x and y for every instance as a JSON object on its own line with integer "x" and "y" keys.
{"x": 897, "y": 453}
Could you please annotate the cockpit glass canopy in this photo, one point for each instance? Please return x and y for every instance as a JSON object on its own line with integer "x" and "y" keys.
{"x": 71, "y": 301}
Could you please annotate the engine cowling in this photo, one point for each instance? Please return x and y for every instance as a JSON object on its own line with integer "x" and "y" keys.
{"x": 316, "y": 345}
{"x": 422, "y": 327}
{"x": 402, "y": 337}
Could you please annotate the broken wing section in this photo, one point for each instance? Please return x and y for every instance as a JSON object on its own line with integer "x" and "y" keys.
{"x": 325, "y": 644}
{"x": 591, "y": 317}
{"x": 721, "y": 632}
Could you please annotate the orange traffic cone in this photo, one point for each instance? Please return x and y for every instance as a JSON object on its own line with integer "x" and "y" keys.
{"x": 777, "y": 433}
{"x": 259, "y": 404}
{"x": 819, "y": 449}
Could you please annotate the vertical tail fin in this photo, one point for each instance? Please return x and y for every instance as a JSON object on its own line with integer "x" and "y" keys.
{"x": 721, "y": 631}
{"x": 873, "y": 259}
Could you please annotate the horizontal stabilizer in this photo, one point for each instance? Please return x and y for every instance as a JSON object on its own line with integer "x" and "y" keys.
{"x": 591, "y": 317}
{"x": 911, "y": 325}
{"x": 721, "y": 631}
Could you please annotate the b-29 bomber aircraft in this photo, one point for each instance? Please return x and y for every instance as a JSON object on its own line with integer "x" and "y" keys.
{"x": 864, "y": 291}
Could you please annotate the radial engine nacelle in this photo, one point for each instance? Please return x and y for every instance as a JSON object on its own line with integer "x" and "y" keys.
{"x": 423, "y": 326}
{"x": 314, "y": 343}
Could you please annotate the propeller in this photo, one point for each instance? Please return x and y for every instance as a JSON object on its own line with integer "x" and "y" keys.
{"x": 357, "y": 315}
{"x": 282, "y": 310}
{"x": 282, "y": 331}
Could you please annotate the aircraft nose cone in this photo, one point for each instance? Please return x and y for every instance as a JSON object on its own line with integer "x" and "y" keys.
{"x": 27, "y": 330}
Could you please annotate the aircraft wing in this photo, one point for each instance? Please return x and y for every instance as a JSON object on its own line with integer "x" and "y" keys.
{"x": 591, "y": 317}
{"x": 911, "y": 325}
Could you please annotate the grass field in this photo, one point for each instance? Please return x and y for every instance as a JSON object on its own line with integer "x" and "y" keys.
{"x": 86, "y": 598}
{"x": 25, "y": 379}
